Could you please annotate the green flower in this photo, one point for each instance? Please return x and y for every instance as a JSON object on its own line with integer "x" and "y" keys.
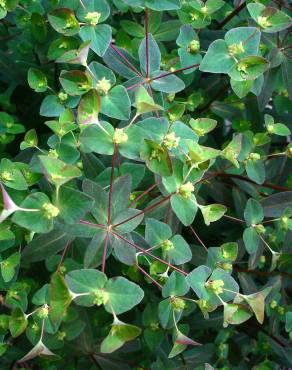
{"x": 186, "y": 190}
{"x": 93, "y": 18}
{"x": 120, "y": 136}
{"x": 50, "y": 210}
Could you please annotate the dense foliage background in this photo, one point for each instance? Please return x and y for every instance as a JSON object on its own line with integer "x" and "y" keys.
{"x": 146, "y": 184}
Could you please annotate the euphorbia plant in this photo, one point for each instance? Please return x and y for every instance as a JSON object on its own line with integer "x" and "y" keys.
{"x": 147, "y": 223}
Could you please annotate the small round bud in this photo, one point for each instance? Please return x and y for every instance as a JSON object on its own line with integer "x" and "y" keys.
{"x": 50, "y": 210}
{"x": 170, "y": 141}
{"x": 120, "y": 136}
{"x": 93, "y": 18}
{"x": 100, "y": 297}
{"x": 62, "y": 96}
{"x": 178, "y": 304}
{"x": 263, "y": 22}
{"x": 167, "y": 245}
{"x": 254, "y": 157}
{"x": 260, "y": 229}
{"x": 186, "y": 190}
{"x": 103, "y": 86}
{"x": 236, "y": 49}
{"x": 216, "y": 286}
{"x": 194, "y": 46}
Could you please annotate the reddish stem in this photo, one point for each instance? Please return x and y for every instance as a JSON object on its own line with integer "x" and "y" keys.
{"x": 144, "y": 210}
{"x": 147, "y": 42}
{"x": 111, "y": 186}
{"x": 231, "y": 15}
{"x": 128, "y": 63}
{"x": 92, "y": 224}
{"x": 149, "y": 276}
{"x": 103, "y": 263}
{"x": 243, "y": 178}
{"x": 199, "y": 239}
{"x": 150, "y": 254}
{"x": 145, "y": 192}
{"x": 173, "y": 72}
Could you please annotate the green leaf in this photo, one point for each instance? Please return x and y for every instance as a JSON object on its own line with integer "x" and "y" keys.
{"x": 119, "y": 334}
{"x": 41, "y": 215}
{"x": 163, "y": 4}
{"x": 232, "y": 150}
{"x": 60, "y": 297}
{"x": 255, "y": 170}
{"x": 276, "y": 204}
{"x": 76, "y": 56}
{"x": 168, "y": 84}
{"x": 73, "y": 204}
{"x": 89, "y": 108}
{"x": 100, "y": 37}
{"x": 270, "y": 19}
{"x": 202, "y": 126}
{"x": 256, "y": 302}
{"x": 248, "y": 68}
{"x": 17, "y": 322}
{"x": 81, "y": 282}
{"x": 97, "y": 138}
{"x": 37, "y": 80}
{"x": 116, "y": 103}
{"x": 94, "y": 250}
{"x": 8, "y": 266}
{"x": 63, "y": 21}
{"x": 45, "y": 245}
{"x": 123, "y": 295}
{"x": 11, "y": 176}
{"x": 30, "y": 140}
{"x": 38, "y": 350}
{"x": 75, "y": 82}
{"x": 58, "y": 171}
{"x": 185, "y": 209}
{"x": 89, "y": 6}
{"x": 156, "y": 157}
{"x": 144, "y": 102}
{"x": 251, "y": 240}
{"x": 253, "y": 212}
{"x": 235, "y": 314}
{"x": 212, "y": 212}
{"x": 153, "y": 57}
{"x": 175, "y": 285}
{"x": 180, "y": 344}
{"x": 217, "y": 58}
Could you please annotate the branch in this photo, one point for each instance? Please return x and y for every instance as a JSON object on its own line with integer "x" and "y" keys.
{"x": 149, "y": 254}
{"x": 147, "y": 42}
{"x": 127, "y": 62}
{"x": 111, "y": 186}
{"x": 243, "y": 178}
{"x": 144, "y": 210}
{"x": 173, "y": 72}
{"x": 149, "y": 276}
{"x": 199, "y": 239}
{"x": 231, "y": 15}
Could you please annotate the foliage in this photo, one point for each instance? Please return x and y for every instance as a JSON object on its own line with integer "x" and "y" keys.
{"x": 145, "y": 220}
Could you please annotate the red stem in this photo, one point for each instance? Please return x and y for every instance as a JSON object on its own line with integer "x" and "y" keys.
{"x": 111, "y": 186}
{"x": 92, "y": 224}
{"x": 129, "y": 64}
{"x": 149, "y": 276}
{"x": 147, "y": 42}
{"x": 231, "y": 15}
{"x": 144, "y": 210}
{"x": 199, "y": 239}
{"x": 145, "y": 192}
{"x": 103, "y": 263}
{"x": 149, "y": 254}
{"x": 243, "y": 178}
{"x": 173, "y": 72}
